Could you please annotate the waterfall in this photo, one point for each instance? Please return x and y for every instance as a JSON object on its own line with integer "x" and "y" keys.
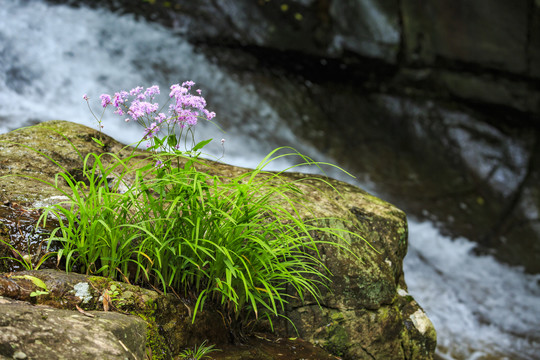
{"x": 51, "y": 55}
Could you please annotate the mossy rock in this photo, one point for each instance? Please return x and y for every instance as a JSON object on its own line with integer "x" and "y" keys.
{"x": 379, "y": 319}
{"x": 169, "y": 322}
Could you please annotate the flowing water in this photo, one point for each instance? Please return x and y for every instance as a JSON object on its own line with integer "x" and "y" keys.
{"x": 51, "y": 55}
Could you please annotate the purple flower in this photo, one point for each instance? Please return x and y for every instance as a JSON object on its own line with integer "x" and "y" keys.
{"x": 140, "y": 108}
{"x": 191, "y": 119}
{"x": 135, "y": 91}
{"x": 85, "y": 97}
{"x": 151, "y": 91}
{"x": 138, "y": 104}
{"x": 151, "y": 131}
{"x": 185, "y": 117}
{"x": 105, "y": 100}
{"x": 119, "y": 98}
{"x": 160, "y": 118}
{"x": 159, "y": 164}
{"x": 198, "y": 102}
{"x": 209, "y": 115}
{"x": 188, "y": 84}
{"x": 177, "y": 91}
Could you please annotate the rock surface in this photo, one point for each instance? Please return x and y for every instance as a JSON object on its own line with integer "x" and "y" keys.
{"x": 368, "y": 315}
{"x": 41, "y": 332}
{"x": 162, "y": 323}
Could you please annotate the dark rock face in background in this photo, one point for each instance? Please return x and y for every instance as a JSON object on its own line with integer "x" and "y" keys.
{"x": 436, "y": 102}
{"x": 486, "y": 52}
{"x": 492, "y": 34}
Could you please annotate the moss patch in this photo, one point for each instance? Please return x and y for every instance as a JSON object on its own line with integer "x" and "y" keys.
{"x": 156, "y": 346}
{"x": 338, "y": 339}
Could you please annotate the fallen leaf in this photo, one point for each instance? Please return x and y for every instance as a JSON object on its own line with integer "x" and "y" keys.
{"x": 84, "y": 312}
{"x": 106, "y": 300}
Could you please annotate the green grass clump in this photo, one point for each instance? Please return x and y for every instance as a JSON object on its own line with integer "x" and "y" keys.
{"x": 238, "y": 242}
{"x": 198, "y": 352}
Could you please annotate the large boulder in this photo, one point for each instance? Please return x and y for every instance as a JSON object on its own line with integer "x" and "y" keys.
{"x": 134, "y": 320}
{"x": 366, "y": 314}
{"x": 138, "y": 323}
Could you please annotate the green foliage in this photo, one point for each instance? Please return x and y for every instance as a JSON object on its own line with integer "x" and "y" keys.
{"x": 37, "y": 281}
{"x": 93, "y": 220}
{"x": 198, "y": 352}
{"x": 25, "y": 260}
{"x": 239, "y": 243}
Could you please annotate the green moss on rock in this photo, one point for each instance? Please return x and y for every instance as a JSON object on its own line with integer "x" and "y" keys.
{"x": 338, "y": 340}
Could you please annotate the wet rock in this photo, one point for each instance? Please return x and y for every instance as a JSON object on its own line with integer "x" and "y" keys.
{"x": 487, "y": 89}
{"x": 28, "y": 244}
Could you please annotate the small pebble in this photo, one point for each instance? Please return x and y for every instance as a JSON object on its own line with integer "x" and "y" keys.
{"x": 19, "y": 355}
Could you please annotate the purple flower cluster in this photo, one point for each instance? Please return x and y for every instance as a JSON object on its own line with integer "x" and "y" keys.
{"x": 138, "y": 104}
{"x": 187, "y": 108}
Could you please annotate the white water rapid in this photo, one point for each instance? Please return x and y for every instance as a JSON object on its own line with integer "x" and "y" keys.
{"x": 51, "y": 55}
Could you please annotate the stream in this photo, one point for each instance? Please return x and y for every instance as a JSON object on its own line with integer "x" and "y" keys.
{"x": 481, "y": 308}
